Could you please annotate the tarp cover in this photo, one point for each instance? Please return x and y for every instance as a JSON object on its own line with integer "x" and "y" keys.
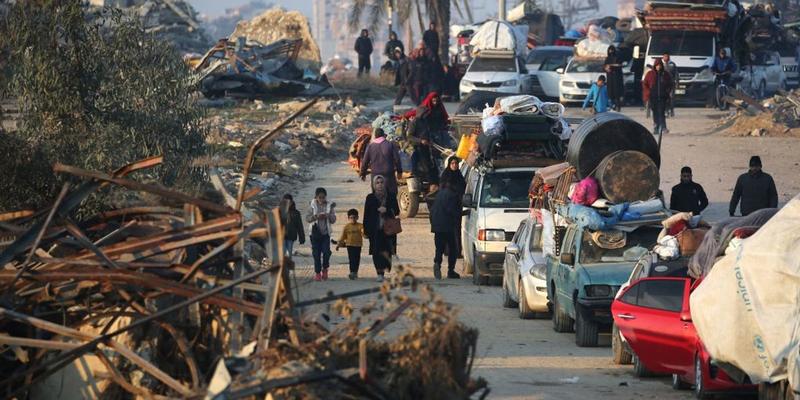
{"x": 501, "y": 35}
{"x": 747, "y": 309}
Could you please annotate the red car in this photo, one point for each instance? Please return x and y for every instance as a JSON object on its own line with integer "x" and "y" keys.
{"x": 653, "y": 316}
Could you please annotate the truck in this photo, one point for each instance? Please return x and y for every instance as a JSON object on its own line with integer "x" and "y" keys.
{"x": 692, "y": 34}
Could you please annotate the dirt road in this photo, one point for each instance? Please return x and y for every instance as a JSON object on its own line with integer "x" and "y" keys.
{"x": 526, "y": 359}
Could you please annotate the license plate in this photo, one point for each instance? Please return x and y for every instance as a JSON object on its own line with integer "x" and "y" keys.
{"x": 680, "y": 91}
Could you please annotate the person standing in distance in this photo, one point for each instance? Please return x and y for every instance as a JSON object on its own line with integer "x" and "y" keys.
{"x": 755, "y": 189}
{"x": 364, "y": 49}
{"x": 688, "y": 195}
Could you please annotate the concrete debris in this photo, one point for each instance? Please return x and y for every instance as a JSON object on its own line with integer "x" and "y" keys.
{"x": 174, "y": 21}
{"x": 246, "y": 68}
{"x": 776, "y": 116}
{"x": 277, "y": 24}
{"x": 222, "y": 26}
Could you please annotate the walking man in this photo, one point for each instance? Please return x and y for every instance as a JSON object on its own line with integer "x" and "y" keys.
{"x": 364, "y": 49}
{"x": 656, "y": 88}
{"x": 755, "y": 189}
{"x": 382, "y": 157}
{"x": 687, "y": 195}
{"x": 445, "y": 218}
{"x": 431, "y": 39}
{"x": 672, "y": 69}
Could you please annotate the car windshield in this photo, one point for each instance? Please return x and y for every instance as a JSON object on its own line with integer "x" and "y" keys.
{"x": 680, "y": 43}
{"x": 585, "y": 66}
{"x": 548, "y": 60}
{"x": 481, "y": 64}
{"x": 610, "y": 246}
{"x": 506, "y": 189}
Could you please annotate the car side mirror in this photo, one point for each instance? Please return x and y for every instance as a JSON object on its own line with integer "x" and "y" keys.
{"x": 568, "y": 258}
{"x": 686, "y": 316}
{"x": 512, "y": 249}
{"x": 559, "y": 70}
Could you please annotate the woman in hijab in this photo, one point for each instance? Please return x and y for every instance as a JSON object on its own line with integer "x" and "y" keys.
{"x": 430, "y": 123}
{"x": 378, "y": 206}
{"x": 613, "y": 68}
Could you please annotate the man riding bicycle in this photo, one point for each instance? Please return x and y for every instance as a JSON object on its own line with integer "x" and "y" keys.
{"x": 723, "y": 67}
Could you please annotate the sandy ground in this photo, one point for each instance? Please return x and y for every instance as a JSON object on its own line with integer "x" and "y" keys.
{"x": 526, "y": 359}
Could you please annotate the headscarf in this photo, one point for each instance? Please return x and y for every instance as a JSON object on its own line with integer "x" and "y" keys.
{"x": 427, "y": 103}
{"x": 611, "y": 51}
{"x": 656, "y": 63}
{"x": 382, "y": 194}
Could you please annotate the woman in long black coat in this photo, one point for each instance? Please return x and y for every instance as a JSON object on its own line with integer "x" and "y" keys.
{"x": 616, "y": 85}
{"x": 378, "y": 206}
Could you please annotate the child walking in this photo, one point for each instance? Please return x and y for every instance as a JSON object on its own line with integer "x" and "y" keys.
{"x": 352, "y": 238}
{"x": 321, "y": 216}
{"x": 598, "y": 96}
{"x": 292, "y": 224}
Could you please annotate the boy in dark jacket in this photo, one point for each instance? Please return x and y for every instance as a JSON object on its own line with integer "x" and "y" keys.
{"x": 445, "y": 217}
{"x": 292, "y": 223}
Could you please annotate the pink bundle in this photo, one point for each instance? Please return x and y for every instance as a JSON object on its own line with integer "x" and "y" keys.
{"x": 586, "y": 192}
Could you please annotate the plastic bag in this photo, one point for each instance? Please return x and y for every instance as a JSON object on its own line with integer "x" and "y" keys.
{"x": 667, "y": 248}
{"x": 586, "y": 192}
{"x": 492, "y": 125}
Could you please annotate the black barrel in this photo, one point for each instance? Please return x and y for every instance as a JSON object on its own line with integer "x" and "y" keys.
{"x": 627, "y": 176}
{"x": 606, "y": 133}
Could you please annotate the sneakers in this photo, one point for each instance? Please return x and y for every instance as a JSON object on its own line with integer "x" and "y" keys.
{"x": 353, "y": 276}
{"x": 437, "y": 271}
{"x": 453, "y": 275}
{"x": 325, "y": 274}
{"x": 317, "y": 277}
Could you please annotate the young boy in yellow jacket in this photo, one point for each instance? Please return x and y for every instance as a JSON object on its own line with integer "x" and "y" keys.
{"x": 352, "y": 238}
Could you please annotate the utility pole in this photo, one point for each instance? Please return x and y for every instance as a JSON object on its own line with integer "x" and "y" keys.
{"x": 501, "y": 10}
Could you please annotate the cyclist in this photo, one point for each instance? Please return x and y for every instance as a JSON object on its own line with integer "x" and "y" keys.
{"x": 723, "y": 67}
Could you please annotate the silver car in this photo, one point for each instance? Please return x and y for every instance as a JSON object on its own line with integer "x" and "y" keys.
{"x": 524, "y": 272}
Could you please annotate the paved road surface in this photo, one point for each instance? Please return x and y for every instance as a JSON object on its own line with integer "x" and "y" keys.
{"x": 526, "y": 359}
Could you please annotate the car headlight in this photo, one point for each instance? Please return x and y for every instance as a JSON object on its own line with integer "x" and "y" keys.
{"x": 466, "y": 82}
{"x": 598, "y": 290}
{"x": 492, "y": 235}
{"x": 539, "y": 271}
{"x": 704, "y": 75}
{"x": 568, "y": 84}
{"x": 510, "y": 82}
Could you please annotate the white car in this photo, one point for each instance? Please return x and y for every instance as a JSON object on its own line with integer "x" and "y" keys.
{"x": 765, "y": 74}
{"x": 525, "y": 272}
{"x": 543, "y": 63}
{"x": 790, "y": 66}
{"x": 495, "y": 202}
{"x": 577, "y": 79}
{"x": 496, "y": 71}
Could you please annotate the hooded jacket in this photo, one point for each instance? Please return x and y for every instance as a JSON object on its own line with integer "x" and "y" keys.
{"x": 657, "y": 85}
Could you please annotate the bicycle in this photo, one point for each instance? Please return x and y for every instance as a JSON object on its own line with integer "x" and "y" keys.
{"x": 721, "y": 91}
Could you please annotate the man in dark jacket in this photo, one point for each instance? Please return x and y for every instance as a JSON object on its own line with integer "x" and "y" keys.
{"x": 382, "y": 157}
{"x": 755, "y": 189}
{"x": 672, "y": 70}
{"x": 445, "y": 217}
{"x": 364, "y": 49}
{"x": 404, "y": 78}
{"x": 688, "y": 195}
{"x": 431, "y": 39}
{"x": 656, "y": 88}
{"x": 391, "y": 45}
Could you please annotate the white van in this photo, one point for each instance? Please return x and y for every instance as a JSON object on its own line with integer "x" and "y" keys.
{"x": 495, "y": 202}
{"x": 693, "y": 53}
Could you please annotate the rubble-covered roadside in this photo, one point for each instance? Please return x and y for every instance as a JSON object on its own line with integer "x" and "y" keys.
{"x": 323, "y": 132}
{"x": 776, "y": 116}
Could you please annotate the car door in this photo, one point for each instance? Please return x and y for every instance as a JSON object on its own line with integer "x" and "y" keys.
{"x": 469, "y": 230}
{"x": 512, "y": 264}
{"x": 652, "y": 315}
{"x": 548, "y": 77}
{"x": 564, "y": 271}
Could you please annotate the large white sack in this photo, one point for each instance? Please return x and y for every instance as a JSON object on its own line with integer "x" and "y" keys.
{"x": 747, "y": 309}
{"x": 501, "y": 35}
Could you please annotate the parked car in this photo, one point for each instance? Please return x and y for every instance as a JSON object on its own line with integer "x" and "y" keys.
{"x": 765, "y": 75}
{"x": 653, "y": 314}
{"x": 496, "y": 71}
{"x": 525, "y": 272}
{"x": 495, "y": 202}
{"x": 788, "y": 54}
{"x": 577, "y": 79}
{"x": 584, "y": 277}
{"x": 542, "y": 63}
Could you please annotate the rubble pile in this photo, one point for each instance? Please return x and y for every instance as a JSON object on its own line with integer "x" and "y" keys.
{"x": 174, "y": 21}
{"x": 325, "y": 129}
{"x": 277, "y": 24}
{"x": 776, "y": 116}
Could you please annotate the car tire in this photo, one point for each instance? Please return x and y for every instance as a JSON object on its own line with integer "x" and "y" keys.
{"x": 639, "y": 370}
{"x": 408, "y": 202}
{"x": 620, "y": 355}
{"x": 524, "y": 311}
{"x": 561, "y": 321}
{"x": 507, "y": 301}
{"x": 699, "y": 385}
{"x": 477, "y": 279}
{"x": 679, "y": 384}
{"x": 586, "y": 332}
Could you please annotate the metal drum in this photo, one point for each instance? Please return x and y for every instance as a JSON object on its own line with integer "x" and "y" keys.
{"x": 626, "y": 176}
